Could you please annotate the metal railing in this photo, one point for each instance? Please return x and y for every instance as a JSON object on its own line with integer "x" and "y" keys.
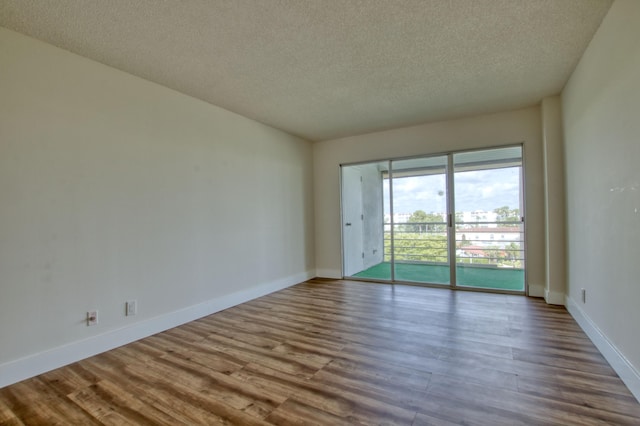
{"x": 494, "y": 244}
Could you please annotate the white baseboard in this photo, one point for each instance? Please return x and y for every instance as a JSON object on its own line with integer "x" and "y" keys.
{"x": 33, "y": 365}
{"x": 627, "y": 372}
{"x": 553, "y": 297}
{"x": 329, "y": 273}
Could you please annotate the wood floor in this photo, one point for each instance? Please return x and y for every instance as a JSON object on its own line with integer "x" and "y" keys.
{"x": 340, "y": 352}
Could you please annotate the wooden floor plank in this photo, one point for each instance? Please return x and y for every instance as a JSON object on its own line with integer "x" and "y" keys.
{"x": 439, "y": 410}
{"x": 332, "y": 352}
{"x": 7, "y": 416}
{"x": 346, "y": 403}
{"x": 296, "y": 413}
{"x": 34, "y": 402}
{"x": 558, "y": 411}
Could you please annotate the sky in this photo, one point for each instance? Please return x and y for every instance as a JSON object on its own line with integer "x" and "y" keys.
{"x": 474, "y": 190}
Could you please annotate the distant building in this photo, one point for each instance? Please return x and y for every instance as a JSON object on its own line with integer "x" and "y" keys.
{"x": 397, "y": 217}
{"x": 480, "y": 216}
{"x": 491, "y": 236}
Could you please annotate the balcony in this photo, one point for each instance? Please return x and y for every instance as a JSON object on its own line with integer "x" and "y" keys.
{"x": 488, "y": 255}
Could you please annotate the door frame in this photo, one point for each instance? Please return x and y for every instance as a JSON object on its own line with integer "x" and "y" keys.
{"x": 451, "y": 233}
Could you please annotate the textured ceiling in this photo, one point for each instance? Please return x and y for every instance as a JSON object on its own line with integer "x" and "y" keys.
{"x": 328, "y": 68}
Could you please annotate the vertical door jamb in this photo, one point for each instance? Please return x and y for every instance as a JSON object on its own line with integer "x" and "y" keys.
{"x": 451, "y": 221}
{"x": 392, "y": 258}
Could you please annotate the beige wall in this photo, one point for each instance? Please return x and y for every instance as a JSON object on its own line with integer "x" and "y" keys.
{"x": 114, "y": 188}
{"x": 555, "y": 261}
{"x": 601, "y": 105}
{"x": 521, "y": 126}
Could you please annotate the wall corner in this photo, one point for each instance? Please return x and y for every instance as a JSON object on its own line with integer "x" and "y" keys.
{"x": 554, "y": 200}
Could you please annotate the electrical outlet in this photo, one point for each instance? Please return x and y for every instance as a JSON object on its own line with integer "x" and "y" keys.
{"x": 131, "y": 307}
{"x": 92, "y": 318}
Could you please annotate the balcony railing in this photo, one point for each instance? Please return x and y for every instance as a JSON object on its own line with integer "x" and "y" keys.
{"x": 494, "y": 244}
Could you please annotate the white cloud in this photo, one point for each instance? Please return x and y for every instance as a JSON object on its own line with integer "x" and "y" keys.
{"x": 475, "y": 190}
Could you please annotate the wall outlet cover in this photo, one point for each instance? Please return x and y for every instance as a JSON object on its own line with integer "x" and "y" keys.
{"x": 131, "y": 307}
{"x": 92, "y": 318}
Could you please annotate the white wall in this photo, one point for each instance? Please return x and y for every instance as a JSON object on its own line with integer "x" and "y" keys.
{"x": 521, "y": 126}
{"x": 373, "y": 212}
{"x": 114, "y": 188}
{"x": 555, "y": 246}
{"x": 602, "y": 153}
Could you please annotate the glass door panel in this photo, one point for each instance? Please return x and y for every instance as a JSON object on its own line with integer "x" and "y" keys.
{"x": 417, "y": 238}
{"x": 363, "y": 203}
{"x": 488, "y": 226}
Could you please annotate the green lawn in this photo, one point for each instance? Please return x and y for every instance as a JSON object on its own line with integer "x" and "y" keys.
{"x": 467, "y": 275}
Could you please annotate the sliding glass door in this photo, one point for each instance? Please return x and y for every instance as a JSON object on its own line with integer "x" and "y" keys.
{"x": 489, "y": 226}
{"x": 451, "y": 220}
{"x": 418, "y": 227}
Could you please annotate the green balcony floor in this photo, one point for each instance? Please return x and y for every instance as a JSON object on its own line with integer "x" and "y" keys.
{"x": 467, "y": 275}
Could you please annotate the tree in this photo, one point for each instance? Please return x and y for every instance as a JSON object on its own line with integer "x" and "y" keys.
{"x": 514, "y": 253}
{"x": 506, "y": 214}
{"x": 413, "y": 247}
{"x": 425, "y": 222}
{"x": 418, "y": 216}
{"x": 463, "y": 242}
